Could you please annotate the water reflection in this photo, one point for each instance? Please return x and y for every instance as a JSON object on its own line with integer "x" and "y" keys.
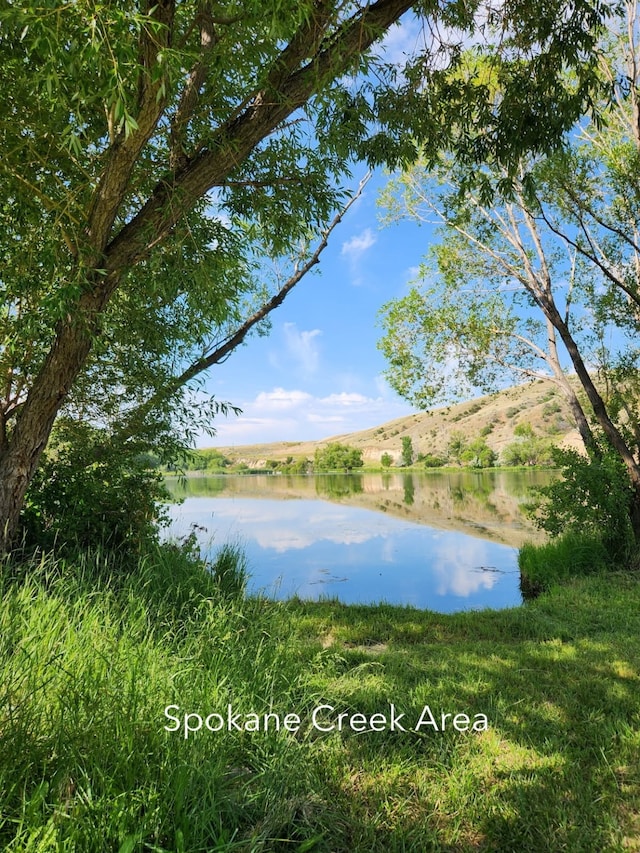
{"x": 446, "y": 541}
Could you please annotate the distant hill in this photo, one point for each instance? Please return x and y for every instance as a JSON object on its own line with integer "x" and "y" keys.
{"x": 494, "y": 417}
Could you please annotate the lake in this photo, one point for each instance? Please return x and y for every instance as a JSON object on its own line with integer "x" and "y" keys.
{"x": 442, "y": 541}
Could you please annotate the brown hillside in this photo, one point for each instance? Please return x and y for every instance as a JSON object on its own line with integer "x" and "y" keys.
{"x": 494, "y": 416}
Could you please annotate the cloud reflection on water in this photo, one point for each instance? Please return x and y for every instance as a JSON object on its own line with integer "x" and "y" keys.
{"x": 312, "y": 548}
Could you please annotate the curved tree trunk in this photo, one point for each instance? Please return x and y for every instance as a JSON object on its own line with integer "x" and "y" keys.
{"x": 600, "y": 411}
{"x": 21, "y": 454}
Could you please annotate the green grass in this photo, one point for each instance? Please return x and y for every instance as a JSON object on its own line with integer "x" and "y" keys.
{"x": 89, "y": 660}
{"x": 567, "y": 556}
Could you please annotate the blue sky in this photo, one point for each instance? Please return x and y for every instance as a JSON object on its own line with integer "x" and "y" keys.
{"x": 319, "y": 372}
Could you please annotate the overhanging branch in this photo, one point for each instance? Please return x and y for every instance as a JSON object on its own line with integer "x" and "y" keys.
{"x": 231, "y": 342}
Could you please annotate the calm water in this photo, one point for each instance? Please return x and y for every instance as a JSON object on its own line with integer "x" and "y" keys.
{"x": 445, "y": 542}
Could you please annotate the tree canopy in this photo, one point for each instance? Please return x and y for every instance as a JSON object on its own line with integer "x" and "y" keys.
{"x": 337, "y": 457}
{"x": 155, "y": 153}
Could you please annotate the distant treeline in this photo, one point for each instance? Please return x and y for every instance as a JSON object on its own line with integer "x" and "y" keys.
{"x": 528, "y": 449}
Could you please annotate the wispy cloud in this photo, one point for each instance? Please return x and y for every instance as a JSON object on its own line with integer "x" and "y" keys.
{"x": 279, "y": 399}
{"x": 354, "y": 250}
{"x": 358, "y": 245}
{"x": 303, "y": 347}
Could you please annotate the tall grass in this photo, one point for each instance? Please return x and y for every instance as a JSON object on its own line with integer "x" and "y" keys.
{"x": 90, "y": 657}
{"x": 568, "y": 556}
{"x": 88, "y": 663}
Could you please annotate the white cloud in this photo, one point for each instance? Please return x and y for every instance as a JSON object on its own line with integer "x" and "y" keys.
{"x": 382, "y": 386}
{"x": 455, "y": 566}
{"x": 358, "y": 245}
{"x": 278, "y": 524}
{"x": 324, "y": 419}
{"x": 345, "y": 399}
{"x": 295, "y": 415}
{"x": 303, "y": 347}
{"x": 280, "y": 399}
{"x": 354, "y": 250}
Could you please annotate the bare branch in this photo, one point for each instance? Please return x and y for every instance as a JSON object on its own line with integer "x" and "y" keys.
{"x": 224, "y": 348}
{"x": 592, "y": 257}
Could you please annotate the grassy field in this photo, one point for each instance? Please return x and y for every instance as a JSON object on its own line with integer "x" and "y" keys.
{"x": 90, "y": 659}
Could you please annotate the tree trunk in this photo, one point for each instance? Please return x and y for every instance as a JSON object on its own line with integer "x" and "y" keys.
{"x": 21, "y": 455}
{"x": 600, "y": 410}
{"x": 566, "y": 388}
{"x": 579, "y": 417}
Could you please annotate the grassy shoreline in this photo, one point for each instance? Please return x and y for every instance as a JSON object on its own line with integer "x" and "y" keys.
{"x": 366, "y": 469}
{"x": 89, "y": 660}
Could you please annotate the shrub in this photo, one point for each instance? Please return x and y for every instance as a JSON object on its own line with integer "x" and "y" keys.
{"x": 456, "y": 446}
{"x": 431, "y": 461}
{"x": 592, "y": 498}
{"x": 529, "y": 451}
{"x": 335, "y": 457}
{"x": 551, "y": 409}
{"x": 86, "y": 494}
{"x": 386, "y": 459}
{"x": 523, "y": 430}
{"x": 302, "y": 466}
{"x": 478, "y": 454}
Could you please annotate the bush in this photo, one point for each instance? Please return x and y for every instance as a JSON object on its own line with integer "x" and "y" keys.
{"x": 336, "y": 457}
{"x": 592, "y": 498}
{"x": 429, "y": 460}
{"x": 385, "y": 460}
{"x": 478, "y": 454}
{"x": 532, "y": 450}
{"x": 88, "y": 494}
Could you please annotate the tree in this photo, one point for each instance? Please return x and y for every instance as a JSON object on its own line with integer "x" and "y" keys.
{"x": 529, "y": 448}
{"x": 407, "y": 450}
{"x": 456, "y": 446}
{"x": 337, "y": 457}
{"x": 470, "y": 316}
{"x": 552, "y": 261}
{"x": 386, "y": 459}
{"x": 164, "y": 149}
{"x": 478, "y": 454}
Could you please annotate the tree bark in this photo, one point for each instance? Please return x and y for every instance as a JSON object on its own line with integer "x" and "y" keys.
{"x": 600, "y": 411}
{"x": 20, "y": 457}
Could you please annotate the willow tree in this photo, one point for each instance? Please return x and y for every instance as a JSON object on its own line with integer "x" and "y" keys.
{"x": 153, "y": 152}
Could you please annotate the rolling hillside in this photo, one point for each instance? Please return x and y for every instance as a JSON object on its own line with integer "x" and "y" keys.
{"x": 494, "y": 417}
